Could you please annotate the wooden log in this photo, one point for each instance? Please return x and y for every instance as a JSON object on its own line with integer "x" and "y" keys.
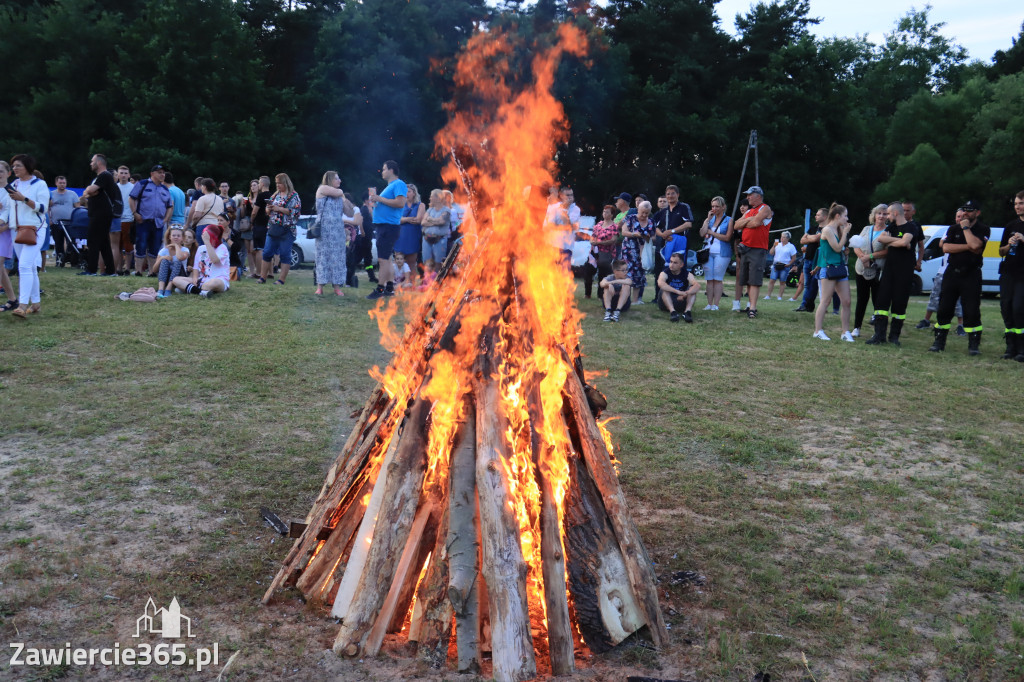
{"x": 364, "y": 536}
{"x": 605, "y": 610}
{"x": 599, "y": 463}
{"x": 402, "y": 483}
{"x": 374, "y": 404}
{"x": 323, "y": 512}
{"x": 560, "y": 644}
{"x": 463, "y": 548}
{"x": 433, "y": 624}
{"x": 426, "y": 545}
{"x": 405, "y": 573}
{"x": 503, "y": 564}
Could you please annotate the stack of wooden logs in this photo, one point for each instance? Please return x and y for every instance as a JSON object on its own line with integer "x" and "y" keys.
{"x": 392, "y": 550}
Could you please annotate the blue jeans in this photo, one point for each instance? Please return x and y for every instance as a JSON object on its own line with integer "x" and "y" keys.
{"x": 811, "y": 289}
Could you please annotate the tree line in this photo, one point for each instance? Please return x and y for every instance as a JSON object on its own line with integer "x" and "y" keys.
{"x": 237, "y": 89}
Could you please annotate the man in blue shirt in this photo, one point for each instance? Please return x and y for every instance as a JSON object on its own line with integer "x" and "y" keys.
{"x": 177, "y": 200}
{"x": 387, "y": 217}
{"x": 151, "y": 207}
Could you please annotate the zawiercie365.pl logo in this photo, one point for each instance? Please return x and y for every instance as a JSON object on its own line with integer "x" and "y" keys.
{"x": 168, "y": 623}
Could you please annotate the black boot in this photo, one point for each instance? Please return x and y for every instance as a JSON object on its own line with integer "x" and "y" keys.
{"x": 1011, "y": 346}
{"x": 881, "y": 324}
{"x": 1020, "y": 348}
{"x": 939, "y": 344}
{"x": 974, "y": 343}
{"x": 894, "y": 332}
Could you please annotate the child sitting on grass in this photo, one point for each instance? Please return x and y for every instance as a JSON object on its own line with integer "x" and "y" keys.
{"x": 170, "y": 261}
{"x": 615, "y": 291}
{"x": 403, "y": 274}
{"x": 212, "y": 272}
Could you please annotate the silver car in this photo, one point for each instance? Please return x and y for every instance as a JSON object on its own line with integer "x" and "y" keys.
{"x": 304, "y": 248}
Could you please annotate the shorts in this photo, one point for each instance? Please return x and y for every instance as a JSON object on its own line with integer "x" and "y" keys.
{"x": 618, "y": 290}
{"x": 115, "y": 225}
{"x": 933, "y": 299}
{"x": 387, "y": 235}
{"x": 127, "y": 235}
{"x": 714, "y": 270}
{"x": 259, "y": 237}
{"x": 149, "y": 239}
{"x": 46, "y": 240}
{"x": 679, "y": 303}
{"x": 436, "y": 251}
{"x": 780, "y": 274}
{"x": 751, "y": 272}
{"x": 227, "y": 282}
{"x": 279, "y": 246}
{"x": 822, "y": 276}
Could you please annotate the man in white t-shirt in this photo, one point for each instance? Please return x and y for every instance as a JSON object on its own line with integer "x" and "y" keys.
{"x": 784, "y": 263}
{"x": 561, "y": 221}
{"x": 122, "y": 230}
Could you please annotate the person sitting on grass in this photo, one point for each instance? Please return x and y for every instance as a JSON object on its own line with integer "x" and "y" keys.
{"x": 615, "y": 291}
{"x": 170, "y": 261}
{"x": 403, "y": 273}
{"x": 211, "y": 273}
{"x": 677, "y": 288}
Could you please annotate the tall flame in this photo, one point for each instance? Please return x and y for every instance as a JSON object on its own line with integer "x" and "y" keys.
{"x": 501, "y": 141}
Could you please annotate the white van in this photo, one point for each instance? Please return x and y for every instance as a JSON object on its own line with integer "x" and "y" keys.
{"x": 933, "y": 255}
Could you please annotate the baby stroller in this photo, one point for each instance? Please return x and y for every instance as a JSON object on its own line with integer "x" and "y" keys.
{"x": 70, "y": 238}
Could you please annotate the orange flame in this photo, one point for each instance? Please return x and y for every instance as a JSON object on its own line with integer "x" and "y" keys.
{"x": 508, "y": 281}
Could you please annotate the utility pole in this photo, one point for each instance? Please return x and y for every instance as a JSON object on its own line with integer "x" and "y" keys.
{"x": 751, "y": 144}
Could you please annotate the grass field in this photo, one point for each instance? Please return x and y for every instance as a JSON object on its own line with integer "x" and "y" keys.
{"x": 857, "y": 512}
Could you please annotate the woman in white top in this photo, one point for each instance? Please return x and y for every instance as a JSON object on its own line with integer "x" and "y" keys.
{"x": 870, "y": 261}
{"x": 206, "y": 208}
{"x": 784, "y": 254}
{"x": 717, "y": 230}
{"x": 6, "y": 237}
{"x": 30, "y": 199}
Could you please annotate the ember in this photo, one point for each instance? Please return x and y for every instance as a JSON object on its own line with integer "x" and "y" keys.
{"x": 477, "y": 486}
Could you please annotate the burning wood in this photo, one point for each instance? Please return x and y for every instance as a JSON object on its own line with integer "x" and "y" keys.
{"x": 477, "y": 487}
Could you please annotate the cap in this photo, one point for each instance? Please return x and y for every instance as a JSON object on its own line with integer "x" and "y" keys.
{"x": 625, "y": 196}
{"x": 156, "y": 168}
{"x": 643, "y": 196}
{"x": 970, "y": 205}
{"x": 754, "y": 189}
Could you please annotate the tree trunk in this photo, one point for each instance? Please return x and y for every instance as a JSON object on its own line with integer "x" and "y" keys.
{"x": 599, "y": 463}
{"x": 504, "y": 568}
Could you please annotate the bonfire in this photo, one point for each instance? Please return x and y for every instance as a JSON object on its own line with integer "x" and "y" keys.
{"x": 475, "y": 507}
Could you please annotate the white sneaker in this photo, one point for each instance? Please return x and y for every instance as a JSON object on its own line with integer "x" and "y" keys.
{"x": 735, "y": 306}
{"x": 714, "y": 307}
{"x": 856, "y": 332}
{"x": 791, "y": 300}
{"x": 767, "y": 298}
{"x": 709, "y": 307}
{"x": 820, "y": 334}
{"x": 848, "y": 337}
{"x": 778, "y": 298}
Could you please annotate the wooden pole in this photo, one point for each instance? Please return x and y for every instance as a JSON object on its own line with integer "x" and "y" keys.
{"x": 402, "y": 483}
{"x": 463, "y": 548}
{"x": 503, "y": 564}
{"x": 560, "y": 642}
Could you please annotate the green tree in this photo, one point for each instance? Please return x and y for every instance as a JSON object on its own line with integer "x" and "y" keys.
{"x": 923, "y": 176}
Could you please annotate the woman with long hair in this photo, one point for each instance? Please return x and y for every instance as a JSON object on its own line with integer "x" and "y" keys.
{"x": 870, "y": 261}
{"x": 410, "y": 235}
{"x": 30, "y": 200}
{"x": 831, "y": 278}
{"x": 284, "y": 209}
{"x": 331, "y": 258}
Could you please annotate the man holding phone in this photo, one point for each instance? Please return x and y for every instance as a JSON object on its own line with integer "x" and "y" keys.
{"x": 387, "y": 217}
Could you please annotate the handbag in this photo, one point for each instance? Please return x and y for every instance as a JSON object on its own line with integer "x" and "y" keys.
{"x": 704, "y": 255}
{"x": 836, "y": 272}
{"x": 313, "y": 232}
{"x": 26, "y": 233}
{"x": 647, "y": 256}
{"x": 580, "y": 253}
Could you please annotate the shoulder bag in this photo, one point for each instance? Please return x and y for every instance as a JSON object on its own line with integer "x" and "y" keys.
{"x": 26, "y": 234}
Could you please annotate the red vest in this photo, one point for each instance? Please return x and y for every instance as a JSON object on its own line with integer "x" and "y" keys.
{"x": 756, "y": 236}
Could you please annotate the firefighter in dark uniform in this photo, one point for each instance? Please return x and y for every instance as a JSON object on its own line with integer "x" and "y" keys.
{"x": 900, "y": 238}
{"x": 1011, "y": 282}
{"x": 965, "y": 243}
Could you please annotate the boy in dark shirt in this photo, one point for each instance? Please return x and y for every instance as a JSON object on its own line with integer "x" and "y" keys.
{"x": 677, "y": 287}
{"x": 615, "y": 291}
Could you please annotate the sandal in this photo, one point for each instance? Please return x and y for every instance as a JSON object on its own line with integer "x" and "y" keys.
{"x": 20, "y": 312}
{"x": 9, "y": 306}
{"x": 33, "y": 309}
{"x": 261, "y": 280}
{"x": 318, "y": 292}
{"x": 277, "y": 281}
{"x": 339, "y": 292}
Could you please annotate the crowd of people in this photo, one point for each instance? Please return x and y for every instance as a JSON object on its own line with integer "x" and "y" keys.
{"x": 198, "y": 242}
